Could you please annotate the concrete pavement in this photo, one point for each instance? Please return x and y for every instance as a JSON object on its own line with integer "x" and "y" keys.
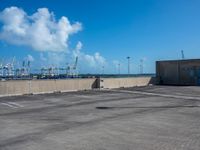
{"x": 120, "y": 119}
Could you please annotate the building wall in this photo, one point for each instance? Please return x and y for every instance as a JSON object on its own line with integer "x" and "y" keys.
{"x": 178, "y": 72}
{"x": 167, "y": 72}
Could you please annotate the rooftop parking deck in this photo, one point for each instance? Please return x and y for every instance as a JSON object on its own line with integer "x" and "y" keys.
{"x": 139, "y": 118}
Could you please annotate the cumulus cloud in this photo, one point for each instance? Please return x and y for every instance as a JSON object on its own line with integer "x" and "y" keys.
{"x": 30, "y": 58}
{"x": 40, "y": 31}
{"x": 42, "y": 57}
{"x": 92, "y": 60}
{"x": 53, "y": 58}
{"x": 79, "y": 46}
{"x": 43, "y": 33}
{"x": 86, "y": 62}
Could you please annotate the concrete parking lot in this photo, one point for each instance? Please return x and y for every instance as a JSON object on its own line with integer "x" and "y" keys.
{"x": 139, "y": 118}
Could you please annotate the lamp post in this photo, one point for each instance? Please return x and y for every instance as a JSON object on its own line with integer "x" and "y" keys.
{"x": 128, "y": 58}
{"x": 182, "y": 54}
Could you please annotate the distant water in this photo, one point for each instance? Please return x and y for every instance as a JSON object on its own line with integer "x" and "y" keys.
{"x": 116, "y": 75}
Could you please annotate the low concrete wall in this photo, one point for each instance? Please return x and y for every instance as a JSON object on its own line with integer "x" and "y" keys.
{"x": 14, "y": 88}
{"x": 125, "y": 82}
{"x": 21, "y": 87}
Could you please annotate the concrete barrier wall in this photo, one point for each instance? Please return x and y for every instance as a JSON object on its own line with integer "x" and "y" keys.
{"x": 125, "y": 82}
{"x": 21, "y": 87}
{"x": 14, "y": 88}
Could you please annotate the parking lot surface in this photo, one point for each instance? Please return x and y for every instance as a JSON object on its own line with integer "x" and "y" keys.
{"x": 138, "y": 118}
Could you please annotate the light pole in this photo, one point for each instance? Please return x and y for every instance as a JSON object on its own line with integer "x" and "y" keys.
{"x": 128, "y": 58}
{"x": 182, "y": 54}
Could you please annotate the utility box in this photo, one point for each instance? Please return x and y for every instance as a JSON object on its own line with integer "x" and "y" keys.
{"x": 178, "y": 72}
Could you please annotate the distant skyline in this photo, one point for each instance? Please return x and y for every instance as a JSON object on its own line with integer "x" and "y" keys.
{"x": 102, "y": 33}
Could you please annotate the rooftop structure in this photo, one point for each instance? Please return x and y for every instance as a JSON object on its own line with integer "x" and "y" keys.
{"x": 178, "y": 72}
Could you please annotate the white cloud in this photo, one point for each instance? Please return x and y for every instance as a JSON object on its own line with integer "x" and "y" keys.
{"x": 77, "y": 51}
{"x": 40, "y": 31}
{"x": 30, "y": 58}
{"x": 99, "y": 59}
{"x": 90, "y": 60}
{"x": 52, "y": 58}
{"x": 42, "y": 57}
{"x": 94, "y": 60}
{"x": 86, "y": 62}
{"x": 58, "y": 59}
{"x": 79, "y": 46}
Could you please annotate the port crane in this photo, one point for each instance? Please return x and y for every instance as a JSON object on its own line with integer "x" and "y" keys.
{"x": 8, "y": 69}
{"x": 71, "y": 70}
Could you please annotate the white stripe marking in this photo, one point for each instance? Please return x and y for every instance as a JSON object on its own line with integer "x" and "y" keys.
{"x": 6, "y": 104}
{"x": 15, "y": 104}
{"x": 158, "y": 94}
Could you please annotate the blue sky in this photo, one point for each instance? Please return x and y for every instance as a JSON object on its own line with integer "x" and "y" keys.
{"x": 142, "y": 29}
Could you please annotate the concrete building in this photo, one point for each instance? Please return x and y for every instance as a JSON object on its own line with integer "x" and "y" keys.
{"x": 178, "y": 72}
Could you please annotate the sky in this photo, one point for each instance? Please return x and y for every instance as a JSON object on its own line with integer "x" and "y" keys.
{"x": 99, "y": 32}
